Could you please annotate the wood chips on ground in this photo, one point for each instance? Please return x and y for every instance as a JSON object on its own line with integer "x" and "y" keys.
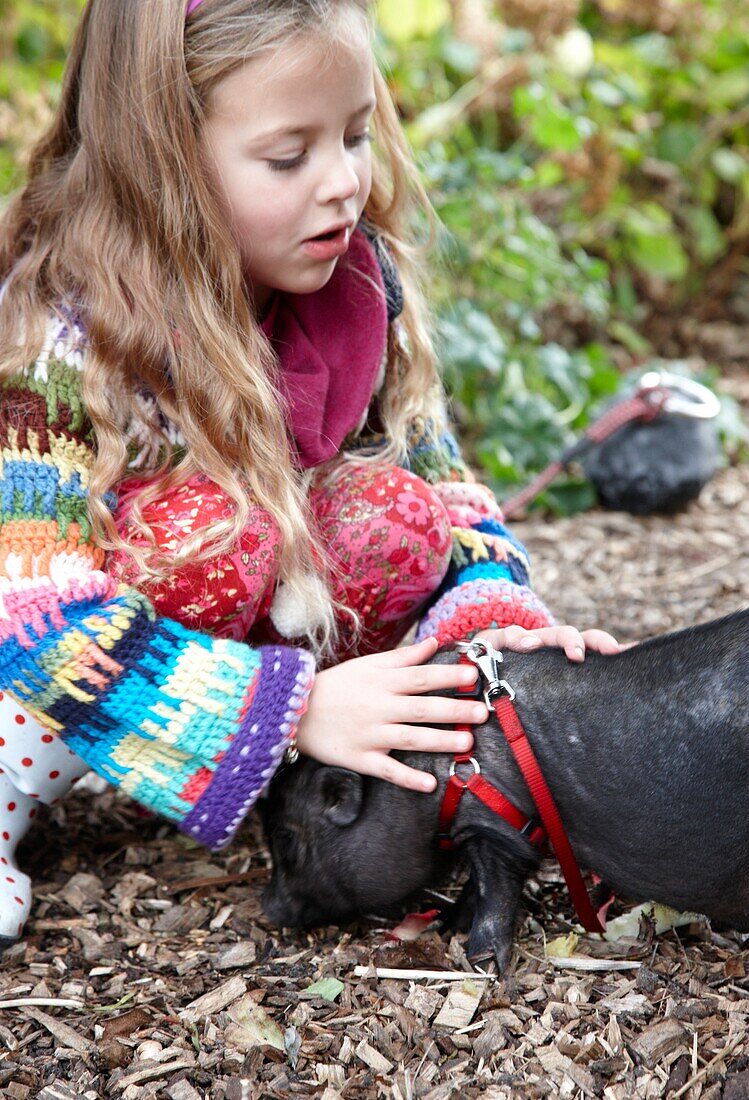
{"x": 148, "y": 969}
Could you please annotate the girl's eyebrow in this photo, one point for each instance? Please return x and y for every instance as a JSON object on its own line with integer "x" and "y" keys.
{"x": 293, "y": 131}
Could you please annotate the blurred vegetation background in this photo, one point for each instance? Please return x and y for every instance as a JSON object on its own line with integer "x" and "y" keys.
{"x": 589, "y": 161}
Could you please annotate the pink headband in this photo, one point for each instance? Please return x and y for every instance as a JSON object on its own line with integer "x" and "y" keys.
{"x": 192, "y": 5}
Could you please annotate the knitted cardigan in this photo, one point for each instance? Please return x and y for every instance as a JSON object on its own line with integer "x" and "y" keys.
{"x": 191, "y": 726}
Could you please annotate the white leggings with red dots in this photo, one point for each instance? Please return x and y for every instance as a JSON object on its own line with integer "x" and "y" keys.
{"x": 35, "y": 766}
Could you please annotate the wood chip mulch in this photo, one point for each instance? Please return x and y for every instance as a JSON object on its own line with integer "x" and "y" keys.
{"x": 149, "y": 971}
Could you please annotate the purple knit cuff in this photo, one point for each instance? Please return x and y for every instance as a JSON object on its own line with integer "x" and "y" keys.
{"x": 267, "y": 726}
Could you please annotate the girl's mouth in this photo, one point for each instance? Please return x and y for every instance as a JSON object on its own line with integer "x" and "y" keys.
{"x": 328, "y": 245}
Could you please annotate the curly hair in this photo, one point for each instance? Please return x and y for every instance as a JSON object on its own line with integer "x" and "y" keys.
{"x": 118, "y": 217}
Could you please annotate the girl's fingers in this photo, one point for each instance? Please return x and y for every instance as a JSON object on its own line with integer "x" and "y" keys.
{"x": 419, "y": 739}
{"x": 601, "y": 641}
{"x": 571, "y": 641}
{"x": 413, "y": 681}
{"x": 438, "y": 711}
{"x": 523, "y": 641}
{"x": 568, "y": 638}
{"x": 409, "y": 654}
{"x": 515, "y": 638}
{"x": 387, "y": 767}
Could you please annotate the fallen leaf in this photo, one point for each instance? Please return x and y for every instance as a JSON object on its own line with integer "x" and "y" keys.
{"x": 411, "y": 927}
{"x": 628, "y": 924}
{"x": 292, "y": 1045}
{"x": 254, "y": 1027}
{"x": 327, "y": 988}
{"x": 563, "y": 946}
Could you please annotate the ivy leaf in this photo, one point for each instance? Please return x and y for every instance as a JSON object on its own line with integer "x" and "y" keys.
{"x": 730, "y": 165}
{"x": 709, "y": 240}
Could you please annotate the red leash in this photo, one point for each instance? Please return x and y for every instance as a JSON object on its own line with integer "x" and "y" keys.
{"x": 499, "y": 697}
{"x": 517, "y": 739}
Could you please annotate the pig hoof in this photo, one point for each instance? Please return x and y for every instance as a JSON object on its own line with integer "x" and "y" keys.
{"x": 496, "y": 953}
{"x": 492, "y": 962}
{"x": 486, "y": 962}
{"x": 494, "y": 958}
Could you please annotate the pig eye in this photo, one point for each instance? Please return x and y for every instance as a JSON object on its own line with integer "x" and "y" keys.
{"x": 286, "y": 843}
{"x": 284, "y": 838}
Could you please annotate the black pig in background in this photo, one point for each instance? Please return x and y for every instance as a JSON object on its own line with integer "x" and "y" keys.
{"x": 655, "y": 467}
{"x": 646, "y": 754}
{"x": 662, "y": 464}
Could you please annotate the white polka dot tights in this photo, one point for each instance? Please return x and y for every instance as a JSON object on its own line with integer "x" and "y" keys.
{"x": 35, "y": 766}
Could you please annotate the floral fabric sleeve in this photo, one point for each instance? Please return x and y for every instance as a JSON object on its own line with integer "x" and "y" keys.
{"x": 190, "y": 726}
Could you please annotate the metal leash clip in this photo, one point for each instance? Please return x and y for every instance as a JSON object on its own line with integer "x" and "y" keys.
{"x": 487, "y": 659}
{"x": 684, "y": 396}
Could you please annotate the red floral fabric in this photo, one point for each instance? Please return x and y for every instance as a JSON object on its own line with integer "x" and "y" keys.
{"x": 386, "y": 533}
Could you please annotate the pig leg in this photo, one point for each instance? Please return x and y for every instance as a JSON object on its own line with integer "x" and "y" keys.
{"x": 458, "y": 916}
{"x": 497, "y": 884}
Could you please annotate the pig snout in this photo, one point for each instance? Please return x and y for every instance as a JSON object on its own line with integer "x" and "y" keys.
{"x": 283, "y": 910}
{"x": 277, "y": 909}
{"x": 307, "y": 811}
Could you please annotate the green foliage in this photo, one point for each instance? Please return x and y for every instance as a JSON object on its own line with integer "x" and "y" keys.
{"x": 606, "y": 179}
{"x": 35, "y": 37}
{"x": 600, "y": 184}
{"x": 519, "y": 397}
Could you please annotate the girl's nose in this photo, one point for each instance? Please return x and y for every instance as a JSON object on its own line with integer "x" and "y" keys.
{"x": 340, "y": 180}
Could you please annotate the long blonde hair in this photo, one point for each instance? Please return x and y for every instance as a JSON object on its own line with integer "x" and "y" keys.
{"x": 118, "y": 217}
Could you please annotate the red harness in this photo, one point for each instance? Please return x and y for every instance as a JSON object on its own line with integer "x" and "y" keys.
{"x": 499, "y": 697}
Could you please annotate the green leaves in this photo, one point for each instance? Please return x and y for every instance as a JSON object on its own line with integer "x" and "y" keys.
{"x": 403, "y": 20}
{"x": 573, "y": 180}
{"x": 550, "y": 123}
{"x": 651, "y": 242}
{"x": 38, "y": 34}
{"x": 731, "y": 165}
{"x": 565, "y": 204}
{"x": 327, "y": 988}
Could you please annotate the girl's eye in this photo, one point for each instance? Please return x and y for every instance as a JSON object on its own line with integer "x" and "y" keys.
{"x": 296, "y": 162}
{"x": 285, "y": 165}
{"x": 361, "y": 139}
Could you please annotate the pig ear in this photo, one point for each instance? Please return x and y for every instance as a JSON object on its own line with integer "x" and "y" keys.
{"x": 341, "y": 794}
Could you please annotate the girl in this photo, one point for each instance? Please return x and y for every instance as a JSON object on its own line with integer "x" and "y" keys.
{"x": 228, "y": 490}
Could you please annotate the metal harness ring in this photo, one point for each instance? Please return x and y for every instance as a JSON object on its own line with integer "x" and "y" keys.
{"x": 471, "y": 760}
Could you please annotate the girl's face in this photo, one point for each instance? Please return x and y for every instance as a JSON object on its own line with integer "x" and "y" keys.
{"x": 286, "y": 140}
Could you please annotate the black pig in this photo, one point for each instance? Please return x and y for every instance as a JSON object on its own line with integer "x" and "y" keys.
{"x": 646, "y": 754}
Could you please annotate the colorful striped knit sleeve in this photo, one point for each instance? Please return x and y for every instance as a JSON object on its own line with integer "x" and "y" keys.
{"x": 488, "y": 582}
{"x": 190, "y": 726}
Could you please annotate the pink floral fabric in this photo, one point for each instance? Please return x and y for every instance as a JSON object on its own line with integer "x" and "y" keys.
{"x": 387, "y": 535}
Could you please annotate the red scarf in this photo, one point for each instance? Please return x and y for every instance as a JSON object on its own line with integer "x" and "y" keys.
{"x": 330, "y": 345}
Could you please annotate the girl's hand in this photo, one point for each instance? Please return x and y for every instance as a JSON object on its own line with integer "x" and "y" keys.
{"x": 567, "y": 638}
{"x": 361, "y": 709}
